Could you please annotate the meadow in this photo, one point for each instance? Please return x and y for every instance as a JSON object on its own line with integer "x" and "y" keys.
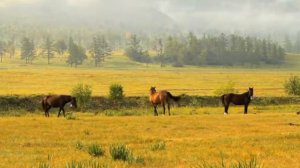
{"x": 191, "y": 137}
{"x": 40, "y": 78}
{"x": 34, "y": 141}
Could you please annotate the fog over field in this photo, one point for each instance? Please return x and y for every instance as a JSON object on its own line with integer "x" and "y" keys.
{"x": 251, "y": 16}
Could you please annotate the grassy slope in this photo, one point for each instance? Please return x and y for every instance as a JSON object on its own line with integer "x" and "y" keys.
{"x": 17, "y": 78}
{"x": 28, "y": 141}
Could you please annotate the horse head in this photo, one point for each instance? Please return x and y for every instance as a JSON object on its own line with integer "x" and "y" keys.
{"x": 250, "y": 91}
{"x": 152, "y": 89}
{"x": 73, "y": 102}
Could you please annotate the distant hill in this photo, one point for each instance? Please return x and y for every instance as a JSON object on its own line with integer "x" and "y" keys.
{"x": 132, "y": 18}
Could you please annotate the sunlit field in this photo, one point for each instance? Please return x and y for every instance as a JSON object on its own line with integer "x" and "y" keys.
{"x": 191, "y": 137}
{"x": 136, "y": 78}
{"x": 34, "y": 141}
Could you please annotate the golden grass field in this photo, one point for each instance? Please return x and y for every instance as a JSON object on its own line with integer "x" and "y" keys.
{"x": 192, "y": 136}
{"x": 136, "y": 82}
{"x": 272, "y": 138}
{"x": 40, "y": 78}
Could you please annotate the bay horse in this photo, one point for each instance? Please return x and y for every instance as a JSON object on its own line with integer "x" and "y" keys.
{"x": 57, "y": 101}
{"x": 162, "y": 97}
{"x": 237, "y": 99}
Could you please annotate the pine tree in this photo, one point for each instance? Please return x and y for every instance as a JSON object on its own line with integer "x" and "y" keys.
{"x": 135, "y": 52}
{"x": 48, "y": 49}
{"x": 2, "y": 50}
{"x": 159, "y": 51}
{"x": 76, "y": 54}
{"x": 27, "y": 50}
{"x": 288, "y": 44}
{"x": 99, "y": 50}
{"x": 11, "y": 49}
{"x": 60, "y": 47}
{"x": 297, "y": 43}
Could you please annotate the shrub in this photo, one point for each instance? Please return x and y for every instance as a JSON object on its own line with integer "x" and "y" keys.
{"x": 120, "y": 152}
{"x": 292, "y": 85}
{"x": 116, "y": 92}
{"x": 83, "y": 94}
{"x": 95, "y": 150}
{"x": 227, "y": 88}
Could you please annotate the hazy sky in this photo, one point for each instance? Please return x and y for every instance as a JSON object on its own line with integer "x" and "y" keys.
{"x": 248, "y": 15}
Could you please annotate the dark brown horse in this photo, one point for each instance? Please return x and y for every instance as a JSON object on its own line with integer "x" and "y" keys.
{"x": 162, "y": 97}
{"x": 237, "y": 99}
{"x": 57, "y": 101}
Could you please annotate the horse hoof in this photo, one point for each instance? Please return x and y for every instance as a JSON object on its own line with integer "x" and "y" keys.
{"x": 225, "y": 114}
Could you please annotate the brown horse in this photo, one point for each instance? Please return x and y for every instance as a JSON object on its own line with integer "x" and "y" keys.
{"x": 57, "y": 101}
{"x": 237, "y": 99}
{"x": 162, "y": 97}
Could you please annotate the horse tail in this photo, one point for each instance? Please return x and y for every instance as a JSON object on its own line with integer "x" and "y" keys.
{"x": 223, "y": 99}
{"x": 175, "y": 98}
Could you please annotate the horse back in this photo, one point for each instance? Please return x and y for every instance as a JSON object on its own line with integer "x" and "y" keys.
{"x": 57, "y": 100}
{"x": 158, "y": 97}
{"x": 236, "y": 99}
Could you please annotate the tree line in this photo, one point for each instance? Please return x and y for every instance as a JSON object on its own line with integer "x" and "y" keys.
{"x": 292, "y": 45}
{"x": 177, "y": 49}
{"x": 76, "y": 53}
{"x": 208, "y": 50}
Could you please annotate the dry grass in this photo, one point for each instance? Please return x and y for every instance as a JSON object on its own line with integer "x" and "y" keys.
{"x": 136, "y": 82}
{"x": 40, "y": 78}
{"x": 191, "y": 136}
{"x": 270, "y": 137}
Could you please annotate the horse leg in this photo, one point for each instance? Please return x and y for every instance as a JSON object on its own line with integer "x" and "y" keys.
{"x": 169, "y": 109}
{"x": 47, "y": 111}
{"x": 246, "y": 109}
{"x": 155, "y": 110}
{"x": 164, "y": 108}
{"x": 59, "y": 112}
{"x": 226, "y": 109}
{"x": 64, "y": 112}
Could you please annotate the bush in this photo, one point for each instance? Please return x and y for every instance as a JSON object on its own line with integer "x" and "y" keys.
{"x": 292, "y": 86}
{"x": 120, "y": 152}
{"x": 95, "y": 150}
{"x": 116, "y": 92}
{"x": 83, "y": 94}
{"x": 227, "y": 88}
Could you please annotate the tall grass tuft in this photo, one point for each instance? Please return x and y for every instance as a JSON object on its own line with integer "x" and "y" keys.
{"x": 79, "y": 146}
{"x": 252, "y": 163}
{"x": 84, "y": 164}
{"x": 157, "y": 146}
{"x": 120, "y": 152}
{"x": 44, "y": 165}
{"x": 75, "y": 164}
{"x": 95, "y": 150}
